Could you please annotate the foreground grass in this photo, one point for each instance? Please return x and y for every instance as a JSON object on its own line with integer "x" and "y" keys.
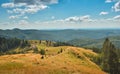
{"x": 71, "y": 61}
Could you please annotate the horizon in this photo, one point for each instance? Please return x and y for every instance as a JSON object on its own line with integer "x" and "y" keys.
{"x": 66, "y": 29}
{"x": 60, "y": 14}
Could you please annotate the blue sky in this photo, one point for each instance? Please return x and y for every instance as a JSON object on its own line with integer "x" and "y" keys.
{"x": 59, "y": 14}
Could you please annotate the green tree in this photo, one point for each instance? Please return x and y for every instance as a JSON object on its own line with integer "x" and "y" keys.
{"x": 113, "y": 61}
{"x": 110, "y": 59}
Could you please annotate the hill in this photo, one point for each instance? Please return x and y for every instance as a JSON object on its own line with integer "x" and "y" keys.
{"x": 95, "y": 43}
{"x": 82, "y": 38}
{"x": 71, "y": 60}
{"x": 59, "y": 35}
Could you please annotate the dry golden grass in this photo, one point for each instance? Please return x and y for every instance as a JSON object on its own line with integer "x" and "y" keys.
{"x": 72, "y": 60}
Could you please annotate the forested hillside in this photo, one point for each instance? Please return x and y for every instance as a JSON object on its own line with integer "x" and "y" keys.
{"x": 82, "y": 38}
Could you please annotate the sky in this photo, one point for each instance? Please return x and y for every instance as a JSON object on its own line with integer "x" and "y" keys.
{"x": 60, "y": 14}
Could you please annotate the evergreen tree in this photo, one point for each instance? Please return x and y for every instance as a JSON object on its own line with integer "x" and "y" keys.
{"x": 110, "y": 61}
{"x": 105, "y": 53}
{"x": 113, "y": 61}
{"x": 9, "y": 43}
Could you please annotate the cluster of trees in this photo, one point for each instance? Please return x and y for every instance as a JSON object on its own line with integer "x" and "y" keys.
{"x": 7, "y": 44}
{"x": 108, "y": 59}
{"x": 61, "y": 44}
{"x": 47, "y": 42}
{"x": 94, "y": 49}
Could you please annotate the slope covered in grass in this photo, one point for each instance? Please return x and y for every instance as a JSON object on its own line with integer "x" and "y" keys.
{"x": 71, "y": 60}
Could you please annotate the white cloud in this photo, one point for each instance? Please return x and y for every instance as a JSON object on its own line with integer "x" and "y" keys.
{"x": 8, "y": 5}
{"x": 85, "y": 18}
{"x": 34, "y": 8}
{"x": 72, "y": 19}
{"x": 117, "y": 17}
{"x": 103, "y": 13}
{"x": 108, "y": 1}
{"x": 63, "y": 24}
{"x": 116, "y": 7}
{"x": 32, "y": 2}
{"x": 13, "y": 17}
{"x": 28, "y": 9}
{"x": 17, "y": 10}
{"x": 12, "y": 5}
{"x": 22, "y": 7}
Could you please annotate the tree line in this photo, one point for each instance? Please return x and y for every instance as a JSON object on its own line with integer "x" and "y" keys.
{"x": 7, "y": 44}
{"x": 109, "y": 59}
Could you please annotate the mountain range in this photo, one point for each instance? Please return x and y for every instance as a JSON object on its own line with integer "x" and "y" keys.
{"x": 78, "y": 37}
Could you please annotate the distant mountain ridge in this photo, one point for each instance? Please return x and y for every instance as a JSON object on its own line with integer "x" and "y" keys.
{"x": 59, "y": 35}
{"x": 82, "y": 38}
{"x": 95, "y": 43}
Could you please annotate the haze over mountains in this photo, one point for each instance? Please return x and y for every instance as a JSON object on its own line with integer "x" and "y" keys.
{"x": 80, "y": 37}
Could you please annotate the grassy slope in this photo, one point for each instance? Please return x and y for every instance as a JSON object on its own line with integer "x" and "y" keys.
{"x": 72, "y": 60}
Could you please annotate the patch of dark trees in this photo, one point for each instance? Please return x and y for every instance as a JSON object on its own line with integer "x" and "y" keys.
{"x": 109, "y": 58}
{"x": 7, "y": 44}
{"x": 62, "y": 44}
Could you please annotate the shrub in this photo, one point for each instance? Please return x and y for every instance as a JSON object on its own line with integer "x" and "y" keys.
{"x": 42, "y": 52}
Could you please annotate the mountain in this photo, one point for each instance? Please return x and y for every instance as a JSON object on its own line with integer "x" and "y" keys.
{"x": 82, "y": 38}
{"x": 60, "y": 35}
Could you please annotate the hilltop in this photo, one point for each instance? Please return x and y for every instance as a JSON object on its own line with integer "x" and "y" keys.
{"x": 72, "y": 60}
{"x": 57, "y": 60}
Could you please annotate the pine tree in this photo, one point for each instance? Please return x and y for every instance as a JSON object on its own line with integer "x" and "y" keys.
{"x": 113, "y": 61}
{"x": 109, "y": 58}
{"x": 105, "y": 53}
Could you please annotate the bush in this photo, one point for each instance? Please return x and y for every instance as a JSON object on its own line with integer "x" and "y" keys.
{"x": 42, "y": 52}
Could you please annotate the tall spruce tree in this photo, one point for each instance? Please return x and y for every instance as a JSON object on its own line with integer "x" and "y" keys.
{"x": 110, "y": 60}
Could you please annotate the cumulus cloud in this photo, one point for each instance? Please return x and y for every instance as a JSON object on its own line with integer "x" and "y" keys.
{"x": 29, "y": 9}
{"x": 12, "y": 5}
{"x": 8, "y": 5}
{"x": 78, "y": 19}
{"x": 117, "y": 17}
{"x": 14, "y": 17}
{"x": 34, "y": 8}
{"x": 116, "y": 7}
{"x": 32, "y": 2}
{"x": 22, "y": 7}
{"x": 103, "y": 13}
